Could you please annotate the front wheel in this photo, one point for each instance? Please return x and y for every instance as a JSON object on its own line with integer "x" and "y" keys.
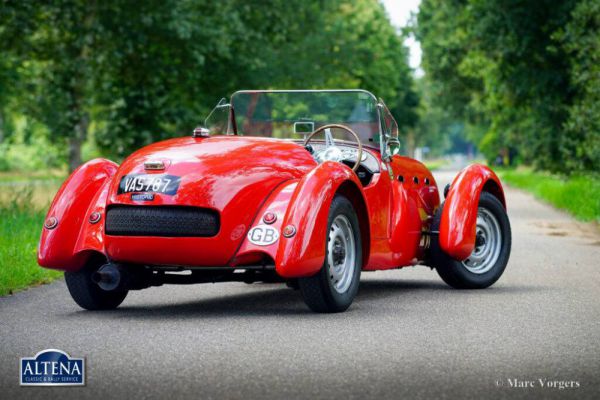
{"x": 334, "y": 287}
{"x": 488, "y": 260}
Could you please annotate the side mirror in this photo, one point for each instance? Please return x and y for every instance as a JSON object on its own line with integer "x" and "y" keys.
{"x": 393, "y": 146}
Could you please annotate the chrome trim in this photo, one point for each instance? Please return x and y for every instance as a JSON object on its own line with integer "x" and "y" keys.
{"x": 341, "y": 254}
{"x": 488, "y": 244}
{"x": 201, "y": 132}
{"x": 306, "y": 91}
{"x": 154, "y": 165}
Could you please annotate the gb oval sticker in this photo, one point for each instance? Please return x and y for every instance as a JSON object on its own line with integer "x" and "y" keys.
{"x": 263, "y": 235}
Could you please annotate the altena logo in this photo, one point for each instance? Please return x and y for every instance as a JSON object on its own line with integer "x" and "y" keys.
{"x": 52, "y": 367}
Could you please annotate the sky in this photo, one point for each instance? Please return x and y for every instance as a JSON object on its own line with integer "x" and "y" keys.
{"x": 399, "y": 11}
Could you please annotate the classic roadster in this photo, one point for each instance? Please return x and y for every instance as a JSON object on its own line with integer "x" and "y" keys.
{"x": 303, "y": 187}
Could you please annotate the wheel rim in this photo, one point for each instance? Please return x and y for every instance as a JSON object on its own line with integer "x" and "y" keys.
{"x": 488, "y": 243}
{"x": 341, "y": 254}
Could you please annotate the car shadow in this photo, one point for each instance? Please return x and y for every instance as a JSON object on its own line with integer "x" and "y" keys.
{"x": 271, "y": 301}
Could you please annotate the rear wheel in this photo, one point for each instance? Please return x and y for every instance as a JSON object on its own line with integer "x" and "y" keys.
{"x": 488, "y": 260}
{"x": 334, "y": 287}
{"x": 88, "y": 294}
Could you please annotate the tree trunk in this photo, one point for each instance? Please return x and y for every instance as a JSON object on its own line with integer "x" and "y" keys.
{"x": 74, "y": 153}
{"x": 1, "y": 128}
{"x": 75, "y": 142}
{"x": 410, "y": 143}
{"x": 80, "y": 78}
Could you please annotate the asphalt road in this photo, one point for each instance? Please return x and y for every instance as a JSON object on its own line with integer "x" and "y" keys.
{"x": 407, "y": 335}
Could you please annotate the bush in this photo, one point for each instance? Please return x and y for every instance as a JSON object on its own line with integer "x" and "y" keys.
{"x": 580, "y": 195}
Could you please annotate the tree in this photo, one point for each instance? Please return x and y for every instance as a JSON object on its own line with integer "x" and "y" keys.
{"x": 441, "y": 30}
{"x": 581, "y": 40}
{"x": 131, "y": 72}
{"x": 511, "y": 68}
{"x": 56, "y": 50}
{"x": 165, "y": 63}
{"x": 202, "y": 51}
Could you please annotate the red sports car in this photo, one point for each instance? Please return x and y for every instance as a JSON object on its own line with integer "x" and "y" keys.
{"x": 303, "y": 187}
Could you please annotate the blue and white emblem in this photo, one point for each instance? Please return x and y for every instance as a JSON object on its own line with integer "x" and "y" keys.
{"x": 52, "y": 367}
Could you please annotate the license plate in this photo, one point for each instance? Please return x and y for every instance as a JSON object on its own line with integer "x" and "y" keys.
{"x": 146, "y": 183}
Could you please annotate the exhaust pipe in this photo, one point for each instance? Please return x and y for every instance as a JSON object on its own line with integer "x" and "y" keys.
{"x": 109, "y": 277}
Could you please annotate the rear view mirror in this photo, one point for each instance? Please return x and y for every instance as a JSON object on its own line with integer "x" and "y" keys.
{"x": 304, "y": 127}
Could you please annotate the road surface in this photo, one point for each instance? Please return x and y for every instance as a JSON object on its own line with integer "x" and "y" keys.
{"x": 407, "y": 335}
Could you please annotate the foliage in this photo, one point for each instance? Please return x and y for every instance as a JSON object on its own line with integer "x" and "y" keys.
{"x": 578, "y": 194}
{"x": 20, "y": 227}
{"x": 52, "y": 42}
{"x": 442, "y": 31}
{"x": 438, "y": 128}
{"x": 523, "y": 76}
{"x": 581, "y": 40}
{"x": 123, "y": 74}
{"x": 161, "y": 68}
{"x": 26, "y": 150}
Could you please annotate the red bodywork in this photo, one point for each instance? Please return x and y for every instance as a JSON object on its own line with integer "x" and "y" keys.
{"x": 243, "y": 178}
{"x": 459, "y": 218}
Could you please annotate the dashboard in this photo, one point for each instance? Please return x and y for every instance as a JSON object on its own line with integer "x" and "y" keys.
{"x": 348, "y": 155}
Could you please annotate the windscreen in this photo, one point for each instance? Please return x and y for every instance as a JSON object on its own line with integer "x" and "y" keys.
{"x": 294, "y": 114}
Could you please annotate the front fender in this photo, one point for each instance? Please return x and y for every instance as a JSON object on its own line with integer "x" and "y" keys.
{"x": 459, "y": 217}
{"x": 303, "y": 254}
{"x": 63, "y": 246}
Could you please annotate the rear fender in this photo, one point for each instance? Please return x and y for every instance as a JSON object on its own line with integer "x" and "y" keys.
{"x": 459, "y": 217}
{"x": 69, "y": 244}
{"x": 303, "y": 253}
{"x": 277, "y": 203}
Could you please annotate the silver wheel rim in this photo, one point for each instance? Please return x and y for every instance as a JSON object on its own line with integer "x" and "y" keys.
{"x": 341, "y": 254}
{"x": 488, "y": 243}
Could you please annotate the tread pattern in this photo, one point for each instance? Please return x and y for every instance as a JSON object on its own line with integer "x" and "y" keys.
{"x": 166, "y": 221}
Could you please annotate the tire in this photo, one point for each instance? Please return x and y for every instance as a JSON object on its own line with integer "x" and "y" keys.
{"x": 487, "y": 262}
{"x": 334, "y": 287}
{"x": 89, "y": 295}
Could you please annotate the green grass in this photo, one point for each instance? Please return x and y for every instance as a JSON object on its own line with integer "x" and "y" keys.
{"x": 14, "y": 176}
{"x": 579, "y": 195}
{"x": 435, "y": 164}
{"x": 20, "y": 228}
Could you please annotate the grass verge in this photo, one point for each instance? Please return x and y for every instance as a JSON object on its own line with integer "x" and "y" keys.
{"x": 20, "y": 227}
{"x": 436, "y": 163}
{"x": 579, "y": 195}
{"x": 15, "y": 176}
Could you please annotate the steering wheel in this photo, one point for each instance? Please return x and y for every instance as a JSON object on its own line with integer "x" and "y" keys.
{"x": 324, "y": 127}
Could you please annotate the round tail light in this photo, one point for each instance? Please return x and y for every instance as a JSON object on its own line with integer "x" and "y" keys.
{"x": 289, "y": 231}
{"x": 95, "y": 217}
{"x": 269, "y": 218}
{"x": 51, "y": 223}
